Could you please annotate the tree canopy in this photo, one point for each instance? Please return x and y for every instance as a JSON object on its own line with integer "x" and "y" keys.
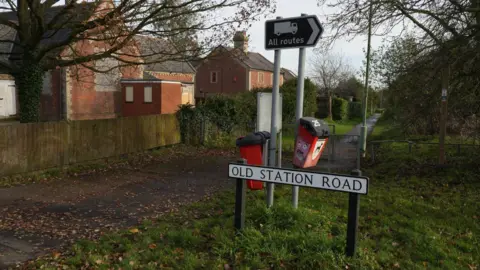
{"x": 43, "y": 34}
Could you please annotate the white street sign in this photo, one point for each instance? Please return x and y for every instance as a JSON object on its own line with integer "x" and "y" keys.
{"x": 336, "y": 182}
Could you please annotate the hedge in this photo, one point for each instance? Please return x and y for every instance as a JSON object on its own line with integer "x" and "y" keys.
{"x": 354, "y": 110}
{"x": 339, "y": 109}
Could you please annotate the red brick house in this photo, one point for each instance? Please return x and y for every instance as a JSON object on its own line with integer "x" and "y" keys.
{"x": 159, "y": 65}
{"x": 146, "y": 97}
{"x": 76, "y": 92}
{"x": 233, "y": 70}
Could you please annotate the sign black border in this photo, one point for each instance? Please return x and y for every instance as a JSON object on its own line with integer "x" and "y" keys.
{"x": 294, "y": 18}
{"x": 305, "y": 171}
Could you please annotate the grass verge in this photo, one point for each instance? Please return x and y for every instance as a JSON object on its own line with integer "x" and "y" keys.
{"x": 414, "y": 217}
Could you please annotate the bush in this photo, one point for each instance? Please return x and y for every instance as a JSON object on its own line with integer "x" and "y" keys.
{"x": 289, "y": 91}
{"x": 354, "y": 110}
{"x": 220, "y": 110}
{"x": 339, "y": 109}
{"x": 378, "y": 110}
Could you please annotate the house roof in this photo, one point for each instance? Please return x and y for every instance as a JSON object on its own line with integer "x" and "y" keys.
{"x": 253, "y": 60}
{"x": 288, "y": 74}
{"x": 157, "y": 53}
{"x": 78, "y": 13}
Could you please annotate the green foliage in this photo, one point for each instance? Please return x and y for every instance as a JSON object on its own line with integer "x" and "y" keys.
{"x": 219, "y": 117}
{"x": 190, "y": 121}
{"x": 354, "y": 110}
{"x": 289, "y": 91}
{"x": 30, "y": 84}
{"x": 221, "y": 111}
{"x": 339, "y": 109}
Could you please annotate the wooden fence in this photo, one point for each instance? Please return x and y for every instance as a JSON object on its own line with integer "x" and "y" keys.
{"x": 38, "y": 146}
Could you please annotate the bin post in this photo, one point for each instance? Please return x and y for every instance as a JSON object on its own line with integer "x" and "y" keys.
{"x": 240, "y": 194}
{"x": 352, "y": 225}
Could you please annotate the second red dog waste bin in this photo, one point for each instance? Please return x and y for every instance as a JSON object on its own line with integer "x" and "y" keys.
{"x": 312, "y": 137}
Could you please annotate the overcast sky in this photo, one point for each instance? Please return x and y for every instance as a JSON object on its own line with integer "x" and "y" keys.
{"x": 293, "y": 8}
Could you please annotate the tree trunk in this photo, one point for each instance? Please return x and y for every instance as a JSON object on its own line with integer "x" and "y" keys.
{"x": 29, "y": 83}
{"x": 330, "y": 116}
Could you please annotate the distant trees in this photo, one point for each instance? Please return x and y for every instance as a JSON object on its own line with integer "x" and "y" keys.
{"x": 328, "y": 70}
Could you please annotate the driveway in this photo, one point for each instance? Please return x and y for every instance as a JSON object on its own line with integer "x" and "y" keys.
{"x": 42, "y": 218}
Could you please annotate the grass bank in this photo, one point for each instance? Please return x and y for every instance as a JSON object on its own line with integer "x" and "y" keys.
{"x": 415, "y": 216}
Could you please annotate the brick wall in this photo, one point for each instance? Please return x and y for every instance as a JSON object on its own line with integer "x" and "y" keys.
{"x": 232, "y": 76}
{"x": 166, "y": 97}
{"x": 267, "y": 79}
{"x": 171, "y": 97}
{"x": 93, "y": 95}
{"x": 138, "y": 106}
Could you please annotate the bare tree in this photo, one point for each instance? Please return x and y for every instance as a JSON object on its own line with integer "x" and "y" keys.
{"x": 443, "y": 26}
{"x": 45, "y": 36}
{"x": 328, "y": 70}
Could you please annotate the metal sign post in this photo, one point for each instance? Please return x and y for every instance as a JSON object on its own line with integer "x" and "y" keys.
{"x": 353, "y": 184}
{"x": 299, "y": 108}
{"x": 296, "y": 32}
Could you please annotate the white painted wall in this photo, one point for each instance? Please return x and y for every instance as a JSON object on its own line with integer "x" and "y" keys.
{"x": 8, "y": 98}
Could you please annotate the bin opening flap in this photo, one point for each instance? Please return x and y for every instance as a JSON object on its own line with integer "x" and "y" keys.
{"x": 315, "y": 126}
{"x": 253, "y": 139}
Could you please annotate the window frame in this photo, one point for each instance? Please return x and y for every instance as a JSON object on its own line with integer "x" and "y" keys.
{"x": 145, "y": 87}
{"x": 216, "y": 76}
{"x": 261, "y": 75}
{"x": 126, "y": 94}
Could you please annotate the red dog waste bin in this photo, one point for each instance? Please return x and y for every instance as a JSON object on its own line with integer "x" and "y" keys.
{"x": 312, "y": 137}
{"x": 251, "y": 149}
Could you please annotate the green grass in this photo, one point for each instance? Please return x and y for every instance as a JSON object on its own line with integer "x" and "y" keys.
{"x": 414, "y": 217}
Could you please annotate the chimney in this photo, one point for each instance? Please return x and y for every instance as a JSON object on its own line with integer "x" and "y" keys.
{"x": 240, "y": 41}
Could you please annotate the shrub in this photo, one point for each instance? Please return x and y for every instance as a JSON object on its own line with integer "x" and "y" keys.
{"x": 339, "y": 109}
{"x": 289, "y": 91}
{"x": 354, "y": 110}
{"x": 220, "y": 110}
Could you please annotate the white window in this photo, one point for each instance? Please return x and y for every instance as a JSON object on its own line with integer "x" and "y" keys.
{"x": 260, "y": 77}
{"x": 129, "y": 94}
{"x": 213, "y": 76}
{"x": 147, "y": 94}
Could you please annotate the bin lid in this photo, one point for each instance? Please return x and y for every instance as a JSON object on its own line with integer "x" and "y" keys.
{"x": 253, "y": 139}
{"x": 265, "y": 134}
{"x": 315, "y": 126}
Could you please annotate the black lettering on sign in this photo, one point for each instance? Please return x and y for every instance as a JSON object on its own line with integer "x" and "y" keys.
{"x": 336, "y": 182}
{"x": 325, "y": 181}
{"x": 242, "y": 172}
{"x": 235, "y": 171}
{"x": 262, "y": 172}
{"x": 286, "y": 176}
{"x": 359, "y": 185}
{"x": 346, "y": 184}
{"x": 269, "y": 174}
{"x": 309, "y": 179}
{"x": 249, "y": 172}
{"x": 278, "y": 177}
{"x": 298, "y": 179}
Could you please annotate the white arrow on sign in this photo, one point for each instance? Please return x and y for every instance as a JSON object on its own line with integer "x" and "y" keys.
{"x": 315, "y": 31}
